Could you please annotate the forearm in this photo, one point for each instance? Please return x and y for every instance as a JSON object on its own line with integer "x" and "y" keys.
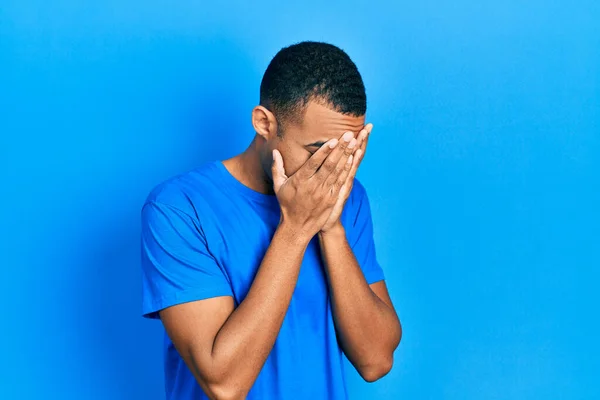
{"x": 368, "y": 328}
{"x": 246, "y": 339}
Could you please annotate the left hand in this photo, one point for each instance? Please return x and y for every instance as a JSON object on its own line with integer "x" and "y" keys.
{"x": 359, "y": 154}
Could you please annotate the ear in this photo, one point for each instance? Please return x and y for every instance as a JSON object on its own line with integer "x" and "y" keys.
{"x": 264, "y": 122}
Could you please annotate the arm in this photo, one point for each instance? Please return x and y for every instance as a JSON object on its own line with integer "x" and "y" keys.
{"x": 225, "y": 348}
{"x": 368, "y": 327}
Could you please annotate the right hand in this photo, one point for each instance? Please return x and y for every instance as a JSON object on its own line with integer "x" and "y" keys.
{"x": 307, "y": 197}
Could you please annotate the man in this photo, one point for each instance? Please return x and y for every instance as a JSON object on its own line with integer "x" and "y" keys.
{"x": 262, "y": 267}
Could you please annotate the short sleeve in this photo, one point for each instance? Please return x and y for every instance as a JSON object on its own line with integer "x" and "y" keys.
{"x": 361, "y": 237}
{"x": 177, "y": 266}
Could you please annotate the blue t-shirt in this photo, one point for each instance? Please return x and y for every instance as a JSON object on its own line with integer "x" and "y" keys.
{"x": 204, "y": 234}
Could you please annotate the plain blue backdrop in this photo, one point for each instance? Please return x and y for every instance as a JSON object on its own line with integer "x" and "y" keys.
{"x": 482, "y": 173}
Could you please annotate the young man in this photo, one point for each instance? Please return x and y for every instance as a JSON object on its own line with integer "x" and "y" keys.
{"x": 262, "y": 267}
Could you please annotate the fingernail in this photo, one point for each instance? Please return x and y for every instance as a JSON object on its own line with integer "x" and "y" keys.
{"x": 349, "y": 160}
{"x": 333, "y": 143}
{"x": 347, "y": 136}
{"x": 352, "y": 144}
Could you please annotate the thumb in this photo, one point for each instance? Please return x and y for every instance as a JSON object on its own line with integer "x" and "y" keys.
{"x": 277, "y": 170}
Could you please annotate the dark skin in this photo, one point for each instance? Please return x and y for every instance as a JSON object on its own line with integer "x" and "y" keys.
{"x": 310, "y": 170}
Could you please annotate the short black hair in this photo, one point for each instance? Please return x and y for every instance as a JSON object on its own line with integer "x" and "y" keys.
{"x": 311, "y": 71}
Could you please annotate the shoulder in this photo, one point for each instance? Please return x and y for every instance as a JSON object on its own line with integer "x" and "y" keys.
{"x": 183, "y": 191}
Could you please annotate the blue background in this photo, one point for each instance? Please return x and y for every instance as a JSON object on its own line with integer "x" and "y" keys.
{"x": 482, "y": 173}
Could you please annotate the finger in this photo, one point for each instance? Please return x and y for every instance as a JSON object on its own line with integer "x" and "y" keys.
{"x": 278, "y": 170}
{"x": 311, "y": 166}
{"x": 358, "y": 158}
{"x": 343, "y": 150}
{"x": 362, "y": 136}
{"x": 343, "y": 178}
{"x": 369, "y": 128}
{"x": 347, "y": 186}
{"x": 339, "y": 169}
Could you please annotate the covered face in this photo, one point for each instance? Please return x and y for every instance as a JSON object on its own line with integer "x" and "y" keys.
{"x": 300, "y": 141}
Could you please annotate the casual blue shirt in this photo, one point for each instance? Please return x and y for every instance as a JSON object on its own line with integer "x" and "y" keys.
{"x": 204, "y": 234}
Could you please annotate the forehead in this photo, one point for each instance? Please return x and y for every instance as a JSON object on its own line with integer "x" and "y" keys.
{"x": 321, "y": 123}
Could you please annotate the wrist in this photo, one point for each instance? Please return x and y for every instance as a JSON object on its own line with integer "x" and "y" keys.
{"x": 293, "y": 234}
{"x": 335, "y": 231}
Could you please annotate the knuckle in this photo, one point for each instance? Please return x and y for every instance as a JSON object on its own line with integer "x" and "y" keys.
{"x": 313, "y": 164}
{"x": 332, "y": 198}
{"x": 338, "y": 169}
{"x": 318, "y": 195}
{"x": 329, "y": 166}
{"x": 338, "y": 186}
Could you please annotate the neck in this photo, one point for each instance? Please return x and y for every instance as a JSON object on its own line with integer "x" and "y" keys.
{"x": 247, "y": 168}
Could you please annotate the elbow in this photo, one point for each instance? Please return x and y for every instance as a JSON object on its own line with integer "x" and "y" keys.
{"x": 226, "y": 392}
{"x": 219, "y": 383}
{"x": 223, "y": 386}
{"x": 216, "y": 378}
{"x": 399, "y": 335}
{"x": 374, "y": 372}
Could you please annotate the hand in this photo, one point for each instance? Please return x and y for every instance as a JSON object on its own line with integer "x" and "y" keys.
{"x": 307, "y": 197}
{"x": 344, "y": 193}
